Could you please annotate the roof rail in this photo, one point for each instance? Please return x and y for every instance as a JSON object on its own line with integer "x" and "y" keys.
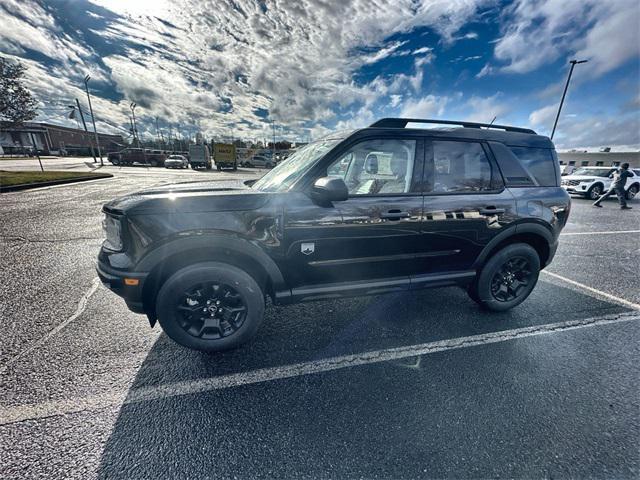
{"x": 402, "y": 123}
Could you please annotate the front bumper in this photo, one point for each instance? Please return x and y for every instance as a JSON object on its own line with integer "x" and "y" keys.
{"x": 576, "y": 189}
{"x": 114, "y": 280}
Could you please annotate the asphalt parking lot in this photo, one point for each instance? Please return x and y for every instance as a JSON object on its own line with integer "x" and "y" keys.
{"x": 397, "y": 386}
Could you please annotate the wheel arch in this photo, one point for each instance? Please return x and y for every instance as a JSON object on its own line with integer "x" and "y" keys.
{"x": 538, "y": 236}
{"x": 172, "y": 256}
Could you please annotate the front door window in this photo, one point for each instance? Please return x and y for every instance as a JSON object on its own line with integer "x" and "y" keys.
{"x": 377, "y": 167}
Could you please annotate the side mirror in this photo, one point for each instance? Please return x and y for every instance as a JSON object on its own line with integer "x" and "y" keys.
{"x": 330, "y": 189}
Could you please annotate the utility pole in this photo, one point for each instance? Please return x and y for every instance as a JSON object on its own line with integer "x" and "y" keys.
{"x": 93, "y": 118}
{"x": 93, "y": 153}
{"x": 564, "y": 94}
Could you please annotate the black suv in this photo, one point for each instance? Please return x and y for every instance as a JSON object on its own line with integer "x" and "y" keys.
{"x": 382, "y": 209}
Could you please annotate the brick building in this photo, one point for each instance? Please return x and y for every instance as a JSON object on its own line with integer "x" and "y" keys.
{"x": 53, "y": 140}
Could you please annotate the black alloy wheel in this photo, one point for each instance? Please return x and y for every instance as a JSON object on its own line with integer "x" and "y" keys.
{"x": 507, "y": 278}
{"x": 512, "y": 279}
{"x": 210, "y": 306}
{"x": 211, "y": 311}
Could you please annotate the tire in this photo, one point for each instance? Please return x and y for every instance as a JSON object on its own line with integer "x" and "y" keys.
{"x": 517, "y": 264}
{"x": 183, "y": 309}
{"x": 235, "y": 168}
{"x": 632, "y": 192}
{"x": 595, "y": 191}
{"x": 219, "y": 168}
{"x": 115, "y": 162}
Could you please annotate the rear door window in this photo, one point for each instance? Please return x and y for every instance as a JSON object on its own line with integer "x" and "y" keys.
{"x": 459, "y": 167}
{"x": 539, "y": 163}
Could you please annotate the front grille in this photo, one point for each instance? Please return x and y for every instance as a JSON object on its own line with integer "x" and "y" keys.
{"x": 571, "y": 183}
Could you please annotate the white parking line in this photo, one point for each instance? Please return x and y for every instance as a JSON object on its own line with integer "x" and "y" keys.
{"x": 593, "y": 292}
{"x": 145, "y": 394}
{"x": 82, "y": 304}
{"x": 599, "y": 233}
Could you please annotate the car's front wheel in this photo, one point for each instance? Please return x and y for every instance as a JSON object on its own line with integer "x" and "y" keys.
{"x": 210, "y": 306}
{"x": 507, "y": 279}
{"x": 594, "y": 192}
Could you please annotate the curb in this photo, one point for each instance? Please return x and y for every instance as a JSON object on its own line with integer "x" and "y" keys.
{"x": 27, "y": 186}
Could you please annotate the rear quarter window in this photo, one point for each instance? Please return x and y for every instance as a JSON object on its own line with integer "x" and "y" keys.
{"x": 539, "y": 162}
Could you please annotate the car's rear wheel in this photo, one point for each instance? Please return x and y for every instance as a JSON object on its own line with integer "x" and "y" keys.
{"x": 210, "y": 306}
{"x": 632, "y": 192}
{"x": 507, "y": 279}
{"x": 594, "y": 192}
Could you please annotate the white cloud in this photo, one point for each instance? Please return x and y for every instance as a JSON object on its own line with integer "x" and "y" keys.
{"x": 483, "y": 109}
{"x": 541, "y": 31}
{"x": 544, "y": 116}
{"x": 395, "y": 100}
{"x": 596, "y": 131}
{"x": 421, "y": 50}
{"x": 215, "y": 64}
{"x": 426, "y": 107}
{"x": 486, "y": 70}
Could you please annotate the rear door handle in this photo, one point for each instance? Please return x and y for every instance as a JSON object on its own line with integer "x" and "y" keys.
{"x": 394, "y": 215}
{"x": 491, "y": 211}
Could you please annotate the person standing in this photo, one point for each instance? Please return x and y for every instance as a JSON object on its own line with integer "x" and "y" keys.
{"x": 617, "y": 186}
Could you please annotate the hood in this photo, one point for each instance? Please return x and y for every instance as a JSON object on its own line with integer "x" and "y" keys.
{"x": 189, "y": 197}
{"x": 587, "y": 178}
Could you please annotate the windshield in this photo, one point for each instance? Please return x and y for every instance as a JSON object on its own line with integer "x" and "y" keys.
{"x": 297, "y": 164}
{"x": 594, "y": 172}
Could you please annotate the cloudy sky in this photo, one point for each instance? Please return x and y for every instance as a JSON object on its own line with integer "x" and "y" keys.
{"x": 230, "y": 67}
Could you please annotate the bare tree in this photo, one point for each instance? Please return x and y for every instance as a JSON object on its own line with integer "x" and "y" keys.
{"x": 16, "y": 102}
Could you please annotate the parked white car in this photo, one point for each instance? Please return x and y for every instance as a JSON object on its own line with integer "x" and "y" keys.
{"x": 259, "y": 161}
{"x": 590, "y": 182}
{"x": 176, "y": 161}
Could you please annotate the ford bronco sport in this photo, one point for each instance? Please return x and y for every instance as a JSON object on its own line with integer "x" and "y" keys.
{"x": 382, "y": 209}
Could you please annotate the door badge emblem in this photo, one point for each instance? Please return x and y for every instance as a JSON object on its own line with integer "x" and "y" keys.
{"x": 308, "y": 248}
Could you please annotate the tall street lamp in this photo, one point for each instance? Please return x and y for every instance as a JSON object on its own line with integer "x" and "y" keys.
{"x": 564, "y": 94}
{"x": 93, "y": 118}
{"x": 133, "y": 106}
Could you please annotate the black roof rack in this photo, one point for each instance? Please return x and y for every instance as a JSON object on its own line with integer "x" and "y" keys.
{"x": 402, "y": 123}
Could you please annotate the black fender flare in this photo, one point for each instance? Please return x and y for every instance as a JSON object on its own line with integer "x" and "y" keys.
{"x": 527, "y": 227}
{"x": 218, "y": 242}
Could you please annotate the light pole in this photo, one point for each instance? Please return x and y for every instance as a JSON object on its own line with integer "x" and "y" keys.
{"x": 93, "y": 153}
{"x": 93, "y": 118}
{"x": 133, "y": 106}
{"x": 564, "y": 94}
{"x": 273, "y": 152}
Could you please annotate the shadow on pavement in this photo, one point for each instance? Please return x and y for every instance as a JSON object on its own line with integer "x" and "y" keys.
{"x": 448, "y": 414}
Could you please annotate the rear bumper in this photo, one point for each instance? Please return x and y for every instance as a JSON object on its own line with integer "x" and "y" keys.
{"x": 553, "y": 248}
{"x": 114, "y": 280}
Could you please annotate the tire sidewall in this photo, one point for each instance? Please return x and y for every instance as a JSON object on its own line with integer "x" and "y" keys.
{"x": 180, "y": 281}
{"x": 493, "y": 265}
{"x": 590, "y": 194}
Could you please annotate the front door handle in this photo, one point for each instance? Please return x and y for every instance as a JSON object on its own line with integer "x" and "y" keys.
{"x": 394, "y": 215}
{"x": 491, "y": 211}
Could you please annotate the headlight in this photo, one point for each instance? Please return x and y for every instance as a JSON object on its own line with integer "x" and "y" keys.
{"x": 112, "y": 232}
